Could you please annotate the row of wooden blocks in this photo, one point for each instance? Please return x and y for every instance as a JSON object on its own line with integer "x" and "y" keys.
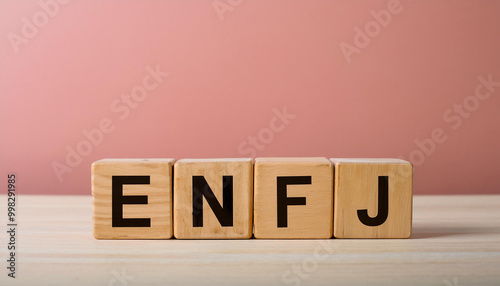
{"x": 267, "y": 197}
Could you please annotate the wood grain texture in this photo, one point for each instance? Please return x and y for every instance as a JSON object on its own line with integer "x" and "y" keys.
{"x": 213, "y": 171}
{"x": 312, "y": 220}
{"x": 159, "y": 198}
{"x": 455, "y": 238}
{"x": 357, "y": 188}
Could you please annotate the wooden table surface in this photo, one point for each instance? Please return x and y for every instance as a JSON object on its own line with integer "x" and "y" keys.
{"x": 456, "y": 241}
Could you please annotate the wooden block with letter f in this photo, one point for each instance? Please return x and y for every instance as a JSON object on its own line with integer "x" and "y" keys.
{"x": 213, "y": 198}
{"x": 293, "y": 198}
{"x": 132, "y": 198}
{"x": 373, "y": 198}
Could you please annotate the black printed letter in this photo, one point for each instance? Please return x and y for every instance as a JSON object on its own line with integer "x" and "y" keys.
{"x": 383, "y": 205}
{"x": 284, "y": 201}
{"x": 118, "y": 200}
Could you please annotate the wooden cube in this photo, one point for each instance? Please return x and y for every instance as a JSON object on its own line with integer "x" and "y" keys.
{"x": 132, "y": 198}
{"x": 213, "y": 198}
{"x": 293, "y": 198}
{"x": 373, "y": 198}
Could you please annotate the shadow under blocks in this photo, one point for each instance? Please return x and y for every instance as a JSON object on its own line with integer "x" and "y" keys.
{"x": 241, "y": 198}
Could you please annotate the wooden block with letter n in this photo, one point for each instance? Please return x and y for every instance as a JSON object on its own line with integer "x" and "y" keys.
{"x": 213, "y": 198}
{"x": 132, "y": 198}
{"x": 373, "y": 198}
{"x": 293, "y": 198}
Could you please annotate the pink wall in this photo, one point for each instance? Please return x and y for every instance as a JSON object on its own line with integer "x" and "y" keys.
{"x": 232, "y": 65}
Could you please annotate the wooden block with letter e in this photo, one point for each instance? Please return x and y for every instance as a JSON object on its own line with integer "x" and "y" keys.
{"x": 132, "y": 198}
{"x": 213, "y": 198}
{"x": 293, "y": 198}
{"x": 373, "y": 198}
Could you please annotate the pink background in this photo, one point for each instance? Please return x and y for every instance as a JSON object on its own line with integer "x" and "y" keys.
{"x": 230, "y": 73}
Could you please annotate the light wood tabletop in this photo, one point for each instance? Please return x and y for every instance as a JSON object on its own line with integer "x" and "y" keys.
{"x": 456, "y": 241}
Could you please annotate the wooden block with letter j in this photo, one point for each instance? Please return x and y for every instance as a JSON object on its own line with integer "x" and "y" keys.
{"x": 293, "y": 198}
{"x": 213, "y": 198}
{"x": 373, "y": 198}
{"x": 132, "y": 198}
